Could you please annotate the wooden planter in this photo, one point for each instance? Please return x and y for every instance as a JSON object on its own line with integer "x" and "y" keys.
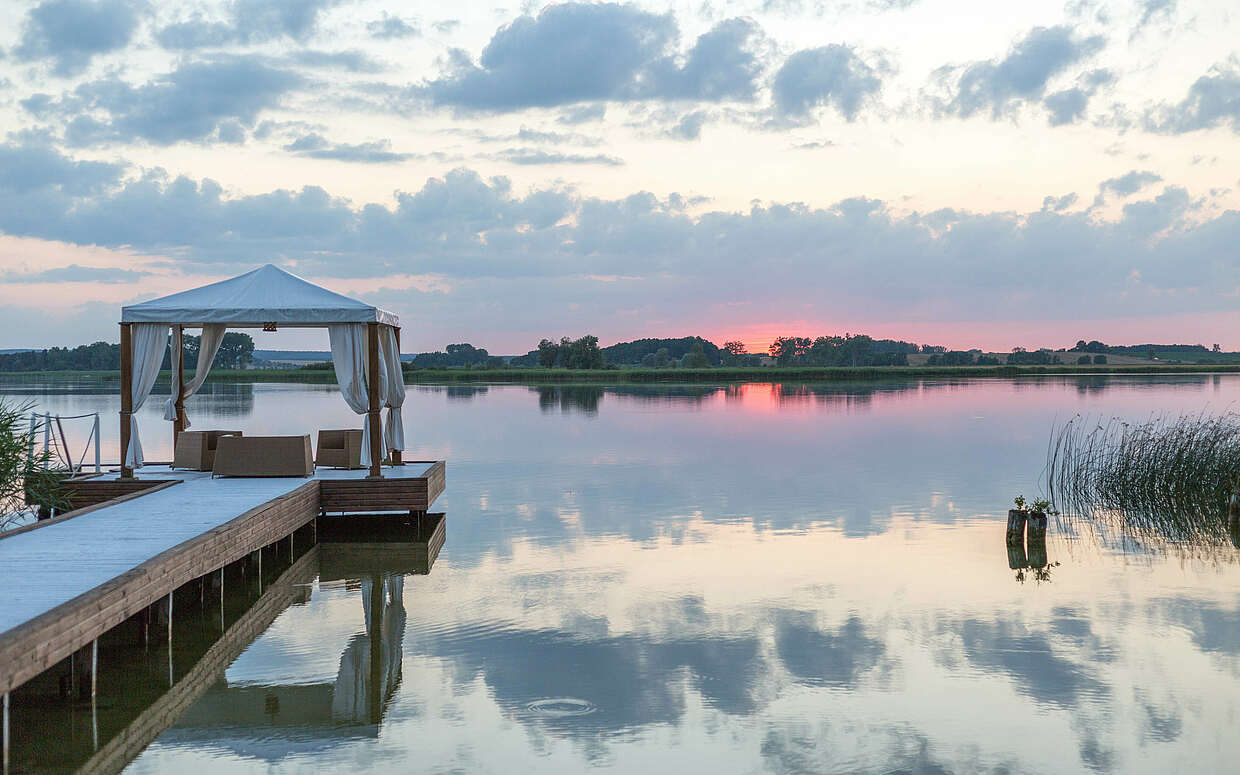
{"x": 1016, "y": 525}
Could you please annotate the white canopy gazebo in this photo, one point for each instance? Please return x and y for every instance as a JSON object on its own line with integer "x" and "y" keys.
{"x": 365, "y": 343}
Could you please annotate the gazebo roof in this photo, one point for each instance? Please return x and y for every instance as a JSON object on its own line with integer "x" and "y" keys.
{"x": 266, "y": 295}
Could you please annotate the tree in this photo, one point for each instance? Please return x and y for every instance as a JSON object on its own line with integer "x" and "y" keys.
{"x": 788, "y": 349}
{"x": 951, "y": 358}
{"x": 236, "y": 349}
{"x": 632, "y": 353}
{"x": 583, "y": 353}
{"x": 737, "y": 349}
{"x": 662, "y": 359}
{"x": 1085, "y": 360}
{"x": 695, "y": 358}
{"x": 457, "y": 355}
{"x": 548, "y": 353}
{"x": 1100, "y": 359}
{"x": 1218, "y": 349}
{"x": 823, "y": 351}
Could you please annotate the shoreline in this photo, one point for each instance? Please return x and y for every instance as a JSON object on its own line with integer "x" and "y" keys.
{"x": 757, "y": 374}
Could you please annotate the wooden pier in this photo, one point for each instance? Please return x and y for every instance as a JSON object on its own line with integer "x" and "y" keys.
{"x": 77, "y": 576}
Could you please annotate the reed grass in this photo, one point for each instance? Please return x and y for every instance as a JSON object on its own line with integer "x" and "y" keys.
{"x": 1168, "y": 477}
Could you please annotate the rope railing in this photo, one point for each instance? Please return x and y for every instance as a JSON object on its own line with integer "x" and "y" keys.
{"x": 57, "y": 444}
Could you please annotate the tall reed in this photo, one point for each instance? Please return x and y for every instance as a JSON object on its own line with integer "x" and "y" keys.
{"x": 1168, "y": 477}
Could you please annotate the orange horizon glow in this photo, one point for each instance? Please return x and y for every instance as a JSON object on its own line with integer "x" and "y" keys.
{"x": 1205, "y": 328}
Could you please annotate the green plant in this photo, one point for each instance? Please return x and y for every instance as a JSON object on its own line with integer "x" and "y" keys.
{"x": 24, "y": 478}
{"x": 1169, "y": 477}
{"x": 1039, "y": 506}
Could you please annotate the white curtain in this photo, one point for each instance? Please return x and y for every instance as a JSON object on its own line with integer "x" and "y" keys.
{"x": 208, "y": 346}
{"x": 394, "y": 389}
{"x": 349, "y": 359}
{"x": 149, "y": 340}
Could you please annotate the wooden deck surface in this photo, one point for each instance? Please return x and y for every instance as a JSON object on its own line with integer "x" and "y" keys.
{"x": 70, "y": 561}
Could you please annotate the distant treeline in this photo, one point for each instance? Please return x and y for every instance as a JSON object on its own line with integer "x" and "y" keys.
{"x": 236, "y": 351}
{"x": 457, "y": 356}
{"x": 847, "y": 350}
{"x": 689, "y": 352}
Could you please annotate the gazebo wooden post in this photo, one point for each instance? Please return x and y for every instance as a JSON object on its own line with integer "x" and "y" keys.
{"x": 372, "y": 388}
{"x": 178, "y": 384}
{"x": 396, "y": 453}
{"x": 126, "y": 395}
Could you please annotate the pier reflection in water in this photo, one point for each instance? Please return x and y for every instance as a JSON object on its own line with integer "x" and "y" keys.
{"x": 755, "y": 578}
{"x": 150, "y": 684}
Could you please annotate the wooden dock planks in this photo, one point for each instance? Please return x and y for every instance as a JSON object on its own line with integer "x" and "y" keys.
{"x": 124, "y": 747}
{"x": 41, "y": 641}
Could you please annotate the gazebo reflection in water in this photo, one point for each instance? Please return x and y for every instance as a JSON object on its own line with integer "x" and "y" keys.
{"x": 194, "y": 700}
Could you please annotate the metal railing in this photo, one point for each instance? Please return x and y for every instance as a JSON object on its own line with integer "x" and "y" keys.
{"x": 57, "y": 444}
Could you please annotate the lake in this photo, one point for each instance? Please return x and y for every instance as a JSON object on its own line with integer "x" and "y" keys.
{"x": 753, "y": 578}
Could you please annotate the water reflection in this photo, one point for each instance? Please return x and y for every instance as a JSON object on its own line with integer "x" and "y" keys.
{"x": 148, "y": 691}
{"x": 751, "y": 579}
{"x": 580, "y": 398}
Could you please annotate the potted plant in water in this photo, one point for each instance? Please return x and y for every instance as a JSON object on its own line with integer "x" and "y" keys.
{"x": 1034, "y": 513}
{"x": 1037, "y": 515}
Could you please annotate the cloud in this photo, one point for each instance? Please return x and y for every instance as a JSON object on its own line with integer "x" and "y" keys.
{"x": 390, "y": 27}
{"x": 831, "y": 76}
{"x": 857, "y": 257}
{"x": 1128, "y": 184}
{"x": 1152, "y": 12}
{"x": 1002, "y": 86}
{"x": 527, "y": 135}
{"x": 250, "y": 21}
{"x": 1058, "y": 204}
{"x": 31, "y": 168}
{"x": 72, "y": 32}
{"x": 74, "y": 273}
{"x": 532, "y": 156}
{"x": 315, "y": 146}
{"x": 199, "y": 101}
{"x": 1068, "y": 106}
{"x": 1213, "y": 100}
{"x": 689, "y": 127}
{"x": 577, "y": 52}
{"x": 837, "y": 659}
{"x": 722, "y": 65}
{"x": 354, "y": 61}
{"x": 582, "y": 114}
{"x": 1031, "y": 661}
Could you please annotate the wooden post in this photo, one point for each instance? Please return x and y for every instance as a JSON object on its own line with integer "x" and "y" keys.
{"x": 178, "y": 383}
{"x": 1016, "y": 525}
{"x": 6, "y": 733}
{"x": 396, "y": 453}
{"x": 94, "y": 692}
{"x": 1036, "y": 532}
{"x": 126, "y": 395}
{"x": 374, "y": 689}
{"x": 372, "y": 388}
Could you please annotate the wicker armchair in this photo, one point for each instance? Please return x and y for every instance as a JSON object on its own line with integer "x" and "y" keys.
{"x": 340, "y": 449}
{"x": 195, "y": 450}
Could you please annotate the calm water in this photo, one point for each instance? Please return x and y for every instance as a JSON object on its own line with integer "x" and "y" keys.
{"x": 752, "y": 579}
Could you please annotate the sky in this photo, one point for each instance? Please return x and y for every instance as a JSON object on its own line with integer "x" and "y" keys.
{"x": 961, "y": 173}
